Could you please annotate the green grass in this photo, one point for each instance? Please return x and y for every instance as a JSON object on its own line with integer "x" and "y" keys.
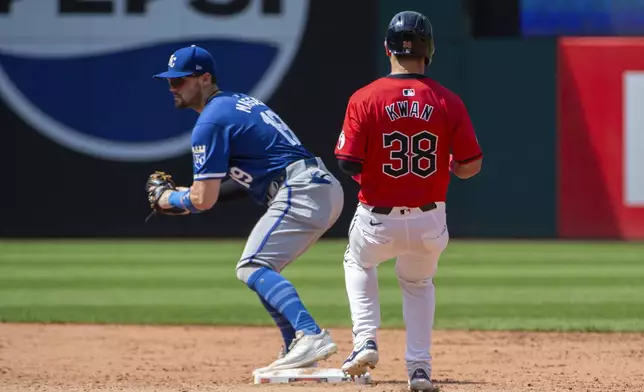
{"x": 480, "y": 285}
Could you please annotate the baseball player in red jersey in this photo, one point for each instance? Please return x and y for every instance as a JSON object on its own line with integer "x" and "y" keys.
{"x": 402, "y": 136}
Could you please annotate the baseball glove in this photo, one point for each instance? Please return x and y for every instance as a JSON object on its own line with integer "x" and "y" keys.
{"x": 158, "y": 183}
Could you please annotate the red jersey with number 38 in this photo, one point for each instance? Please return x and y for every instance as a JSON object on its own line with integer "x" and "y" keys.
{"x": 403, "y": 128}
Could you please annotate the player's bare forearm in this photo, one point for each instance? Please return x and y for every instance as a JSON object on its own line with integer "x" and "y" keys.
{"x": 466, "y": 170}
{"x": 204, "y": 193}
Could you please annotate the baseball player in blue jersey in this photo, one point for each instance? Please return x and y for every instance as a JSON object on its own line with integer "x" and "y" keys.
{"x": 238, "y": 137}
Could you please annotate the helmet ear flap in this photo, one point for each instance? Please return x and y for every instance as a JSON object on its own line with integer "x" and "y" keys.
{"x": 387, "y": 51}
{"x": 431, "y": 48}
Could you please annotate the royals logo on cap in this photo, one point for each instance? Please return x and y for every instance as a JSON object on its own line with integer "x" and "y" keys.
{"x": 187, "y": 61}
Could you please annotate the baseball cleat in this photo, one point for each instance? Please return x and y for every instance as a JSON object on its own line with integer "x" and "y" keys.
{"x": 280, "y": 355}
{"x": 361, "y": 359}
{"x": 305, "y": 351}
{"x": 420, "y": 381}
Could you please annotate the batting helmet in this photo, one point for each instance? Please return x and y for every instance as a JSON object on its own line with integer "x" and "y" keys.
{"x": 410, "y": 33}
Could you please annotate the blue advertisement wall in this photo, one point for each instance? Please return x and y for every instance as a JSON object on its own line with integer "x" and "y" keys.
{"x": 83, "y": 122}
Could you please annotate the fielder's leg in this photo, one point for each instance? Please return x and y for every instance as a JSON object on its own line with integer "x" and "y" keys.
{"x": 285, "y": 327}
{"x": 298, "y": 216}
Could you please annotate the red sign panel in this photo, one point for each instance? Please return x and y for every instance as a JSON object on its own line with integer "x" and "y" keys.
{"x": 601, "y": 138}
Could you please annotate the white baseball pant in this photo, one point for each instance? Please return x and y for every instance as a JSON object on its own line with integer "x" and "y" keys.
{"x": 416, "y": 239}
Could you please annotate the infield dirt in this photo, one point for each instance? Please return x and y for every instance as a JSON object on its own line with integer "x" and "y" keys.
{"x": 40, "y": 357}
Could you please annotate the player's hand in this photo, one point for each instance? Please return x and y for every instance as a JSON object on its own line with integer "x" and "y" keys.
{"x": 158, "y": 188}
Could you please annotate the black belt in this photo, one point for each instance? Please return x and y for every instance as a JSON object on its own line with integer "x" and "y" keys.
{"x": 387, "y": 210}
{"x": 311, "y": 162}
{"x": 281, "y": 177}
{"x": 308, "y": 162}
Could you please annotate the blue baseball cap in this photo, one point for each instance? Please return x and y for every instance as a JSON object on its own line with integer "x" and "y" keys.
{"x": 187, "y": 61}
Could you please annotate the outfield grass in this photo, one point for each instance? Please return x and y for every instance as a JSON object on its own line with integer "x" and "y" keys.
{"x": 479, "y": 285}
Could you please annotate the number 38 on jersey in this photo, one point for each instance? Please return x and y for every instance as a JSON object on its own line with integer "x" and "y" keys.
{"x": 415, "y": 154}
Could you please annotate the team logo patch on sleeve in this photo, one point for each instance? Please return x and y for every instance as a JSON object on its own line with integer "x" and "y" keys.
{"x": 97, "y": 58}
{"x": 341, "y": 140}
{"x": 199, "y": 156}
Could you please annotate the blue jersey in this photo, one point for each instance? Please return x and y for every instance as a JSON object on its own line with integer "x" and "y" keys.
{"x": 238, "y": 136}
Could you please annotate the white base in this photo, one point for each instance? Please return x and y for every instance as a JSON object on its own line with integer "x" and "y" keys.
{"x": 308, "y": 374}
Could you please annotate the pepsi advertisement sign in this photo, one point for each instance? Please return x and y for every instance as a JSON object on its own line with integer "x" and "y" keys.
{"x": 80, "y": 71}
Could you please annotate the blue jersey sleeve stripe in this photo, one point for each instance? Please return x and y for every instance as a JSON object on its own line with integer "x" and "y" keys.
{"x": 205, "y": 176}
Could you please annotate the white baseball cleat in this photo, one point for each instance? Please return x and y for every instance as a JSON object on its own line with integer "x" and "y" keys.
{"x": 419, "y": 381}
{"x": 305, "y": 351}
{"x": 280, "y": 355}
{"x": 361, "y": 359}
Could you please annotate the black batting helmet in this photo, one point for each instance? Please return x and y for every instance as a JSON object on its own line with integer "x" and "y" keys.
{"x": 410, "y": 33}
